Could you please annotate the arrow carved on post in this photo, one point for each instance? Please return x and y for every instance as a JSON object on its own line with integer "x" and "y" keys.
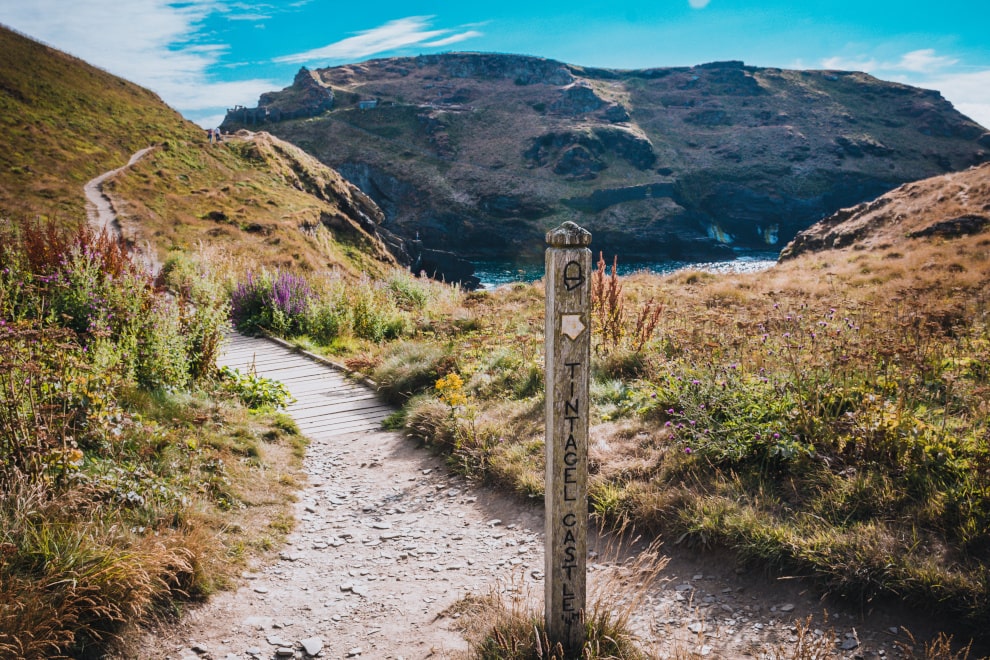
{"x": 571, "y": 325}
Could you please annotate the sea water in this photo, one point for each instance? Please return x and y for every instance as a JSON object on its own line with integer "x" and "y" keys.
{"x": 496, "y": 273}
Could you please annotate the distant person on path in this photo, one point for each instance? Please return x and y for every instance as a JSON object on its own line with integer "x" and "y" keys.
{"x": 209, "y": 134}
{"x": 216, "y": 135}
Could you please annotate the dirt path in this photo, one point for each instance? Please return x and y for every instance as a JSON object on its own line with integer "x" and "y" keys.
{"x": 388, "y": 538}
{"x": 102, "y": 215}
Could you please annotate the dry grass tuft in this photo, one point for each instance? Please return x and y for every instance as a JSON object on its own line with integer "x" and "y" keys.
{"x": 514, "y": 630}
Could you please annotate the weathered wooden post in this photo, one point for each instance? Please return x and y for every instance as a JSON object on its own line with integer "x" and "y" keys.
{"x": 568, "y": 357}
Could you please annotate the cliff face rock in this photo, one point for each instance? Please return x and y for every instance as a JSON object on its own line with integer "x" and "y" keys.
{"x": 490, "y": 66}
{"x": 480, "y": 154}
{"x": 948, "y": 206}
{"x": 577, "y": 99}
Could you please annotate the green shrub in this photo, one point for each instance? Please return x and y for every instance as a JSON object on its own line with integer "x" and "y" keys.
{"x": 410, "y": 368}
{"x": 327, "y": 320}
{"x": 505, "y": 373}
{"x": 375, "y": 316}
{"x": 42, "y": 376}
{"x": 15, "y": 289}
{"x": 256, "y": 391}
{"x": 162, "y": 360}
{"x": 407, "y": 291}
{"x": 428, "y": 420}
{"x": 276, "y": 302}
{"x": 205, "y": 311}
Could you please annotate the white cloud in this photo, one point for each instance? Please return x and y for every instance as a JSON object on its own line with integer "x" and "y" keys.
{"x": 149, "y": 42}
{"x": 698, "y": 4}
{"x": 924, "y": 61}
{"x": 968, "y": 91}
{"x": 393, "y": 35}
{"x": 848, "y": 64}
{"x": 248, "y": 17}
{"x": 453, "y": 39}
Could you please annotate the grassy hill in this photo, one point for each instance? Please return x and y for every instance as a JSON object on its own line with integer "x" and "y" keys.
{"x": 253, "y": 198}
{"x": 63, "y": 122}
{"x": 952, "y": 206}
{"x": 482, "y": 153}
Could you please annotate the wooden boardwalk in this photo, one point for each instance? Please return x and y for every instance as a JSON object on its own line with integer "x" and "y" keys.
{"x": 327, "y": 403}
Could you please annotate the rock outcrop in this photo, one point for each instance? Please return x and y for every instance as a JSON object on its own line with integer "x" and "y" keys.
{"x": 305, "y": 97}
{"x": 479, "y": 154}
{"x": 944, "y": 207}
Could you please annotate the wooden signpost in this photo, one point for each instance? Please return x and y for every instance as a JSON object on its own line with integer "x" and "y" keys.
{"x": 568, "y": 358}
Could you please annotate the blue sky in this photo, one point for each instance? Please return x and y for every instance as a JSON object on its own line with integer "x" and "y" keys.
{"x": 203, "y": 56}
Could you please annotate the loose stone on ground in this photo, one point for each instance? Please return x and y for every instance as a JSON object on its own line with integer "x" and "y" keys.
{"x": 378, "y": 555}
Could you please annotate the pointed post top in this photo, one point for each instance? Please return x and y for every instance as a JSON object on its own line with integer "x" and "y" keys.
{"x": 567, "y": 235}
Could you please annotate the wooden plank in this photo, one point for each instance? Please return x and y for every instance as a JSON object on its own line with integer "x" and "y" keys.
{"x": 310, "y": 406}
{"x": 313, "y": 389}
{"x": 328, "y": 422}
{"x": 307, "y": 391}
{"x": 300, "y": 377}
{"x": 275, "y": 362}
{"x": 344, "y": 430}
{"x": 323, "y": 422}
{"x": 346, "y": 427}
{"x": 295, "y": 374}
{"x": 347, "y": 406}
{"x": 235, "y": 348}
{"x": 377, "y": 420}
{"x": 330, "y": 411}
{"x": 327, "y": 405}
{"x": 329, "y": 399}
{"x": 328, "y": 374}
{"x": 342, "y": 423}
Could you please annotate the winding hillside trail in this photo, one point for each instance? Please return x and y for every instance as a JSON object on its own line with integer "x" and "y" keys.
{"x": 388, "y": 538}
{"x": 102, "y": 215}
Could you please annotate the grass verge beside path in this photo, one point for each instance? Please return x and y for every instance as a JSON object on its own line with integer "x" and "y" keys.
{"x": 132, "y": 478}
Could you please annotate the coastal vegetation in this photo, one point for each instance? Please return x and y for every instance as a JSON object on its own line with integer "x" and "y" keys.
{"x": 124, "y": 455}
{"x": 134, "y": 475}
{"x": 827, "y": 418}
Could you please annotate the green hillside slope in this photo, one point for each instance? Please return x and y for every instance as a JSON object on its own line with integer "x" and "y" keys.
{"x": 63, "y": 122}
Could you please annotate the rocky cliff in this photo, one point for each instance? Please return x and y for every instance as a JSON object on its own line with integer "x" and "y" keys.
{"x": 481, "y": 153}
{"x": 305, "y": 97}
{"x": 945, "y": 207}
